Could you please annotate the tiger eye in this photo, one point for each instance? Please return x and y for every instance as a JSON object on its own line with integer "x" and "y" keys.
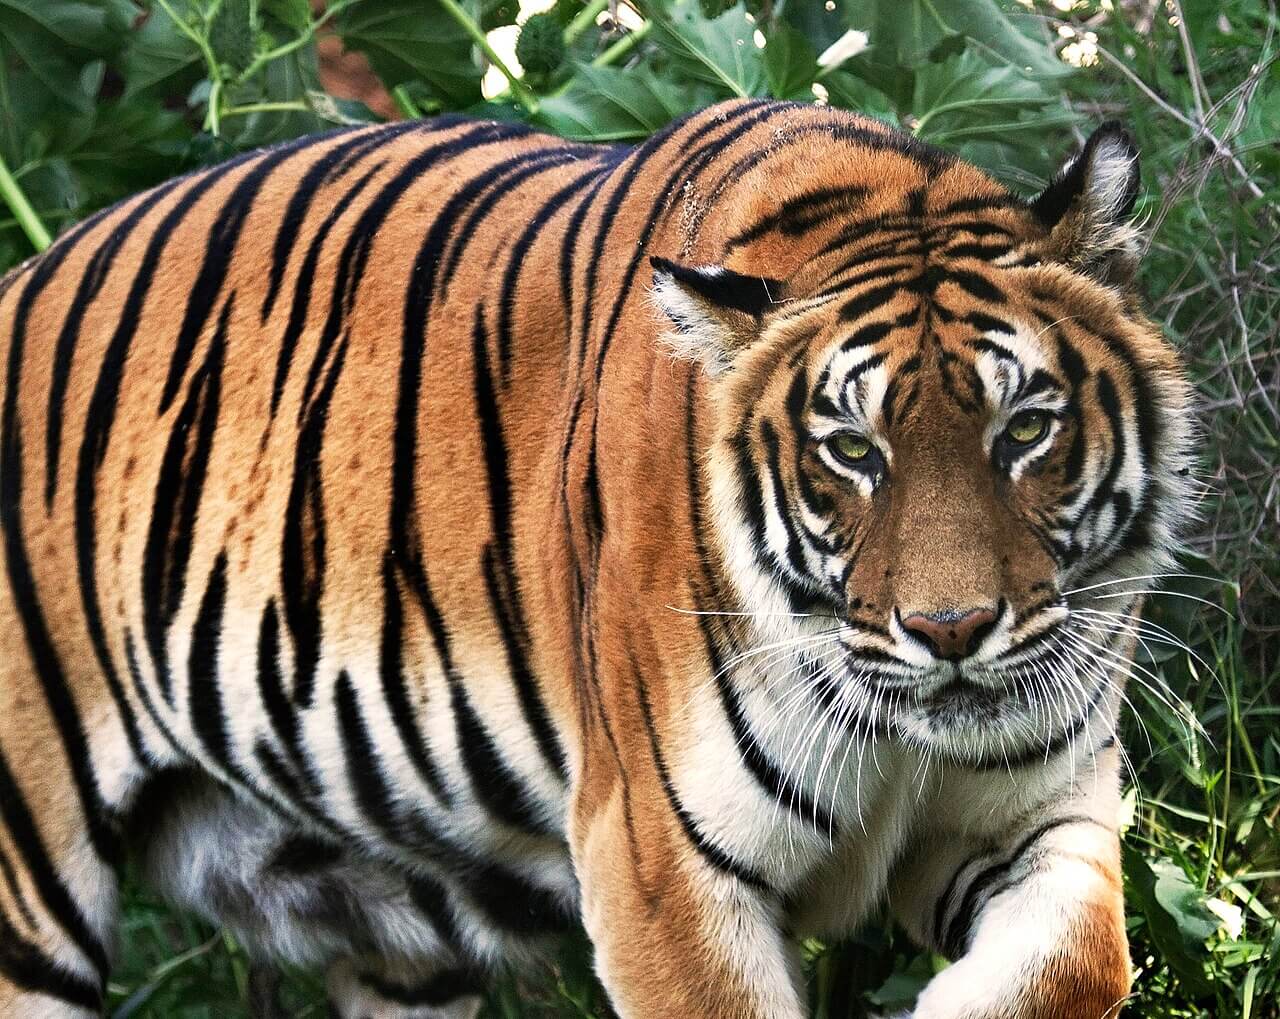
{"x": 1028, "y": 427}
{"x": 850, "y": 447}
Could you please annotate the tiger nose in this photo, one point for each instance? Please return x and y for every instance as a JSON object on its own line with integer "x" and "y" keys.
{"x": 953, "y": 634}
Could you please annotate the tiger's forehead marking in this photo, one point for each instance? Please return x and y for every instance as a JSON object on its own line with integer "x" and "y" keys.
{"x": 985, "y": 364}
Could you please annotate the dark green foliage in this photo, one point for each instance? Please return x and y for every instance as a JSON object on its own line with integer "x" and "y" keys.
{"x": 232, "y": 33}
{"x": 101, "y": 98}
{"x": 540, "y": 48}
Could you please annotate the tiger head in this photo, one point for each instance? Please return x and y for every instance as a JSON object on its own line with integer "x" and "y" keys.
{"x": 948, "y": 445}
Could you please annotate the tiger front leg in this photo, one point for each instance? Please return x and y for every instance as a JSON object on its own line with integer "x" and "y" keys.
{"x": 1034, "y": 920}
{"x": 674, "y": 935}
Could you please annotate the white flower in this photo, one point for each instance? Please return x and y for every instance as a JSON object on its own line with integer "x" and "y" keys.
{"x": 1232, "y": 917}
{"x": 848, "y": 45}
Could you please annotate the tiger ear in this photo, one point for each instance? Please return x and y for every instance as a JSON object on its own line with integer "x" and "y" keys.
{"x": 1088, "y": 204}
{"x": 715, "y": 310}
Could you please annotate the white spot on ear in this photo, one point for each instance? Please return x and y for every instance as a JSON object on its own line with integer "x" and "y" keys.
{"x": 698, "y": 334}
{"x": 1110, "y": 180}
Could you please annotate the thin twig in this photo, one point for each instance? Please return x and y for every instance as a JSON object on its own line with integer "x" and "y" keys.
{"x": 1219, "y": 147}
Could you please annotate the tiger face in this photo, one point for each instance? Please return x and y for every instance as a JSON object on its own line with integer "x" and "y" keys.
{"x": 949, "y": 448}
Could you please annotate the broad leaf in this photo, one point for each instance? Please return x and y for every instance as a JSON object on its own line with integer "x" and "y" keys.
{"x": 407, "y": 40}
{"x": 1174, "y": 909}
{"x": 604, "y": 104}
{"x": 718, "y": 51}
{"x": 295, "y": 14}
{"x": 908, "y": 33}
{"x": 159, "y": 56}
{"x": 852, "y": 93}
{"x": 790, "y": 63}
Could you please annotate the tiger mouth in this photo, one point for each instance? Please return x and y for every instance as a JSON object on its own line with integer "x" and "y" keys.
{"x": 962, "y": 698}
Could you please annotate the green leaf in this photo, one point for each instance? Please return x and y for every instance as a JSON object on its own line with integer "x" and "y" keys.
{"x": 408, "y": 40}
{"x": 45, "y": 54}
{"x": 231, "y": 33}
{"x": 159, "y": 54}
{"x": 605, "y": 104}
{"x": 848, "y": 92}
{"x": 791, "y": 64}
{"x": 909, "y": 33}
{"x": 1176, "y": 916}
{"x": 95, "y": 26}
{"x": 294, "y": 14}
{"x": 720, "y": 52}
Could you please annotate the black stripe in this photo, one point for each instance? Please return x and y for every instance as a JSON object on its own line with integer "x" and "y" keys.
{"x": 884, "y": 270}
{"x": 709, "y": 851}
{"x": 516, "y": 263}
{"x": 432, "y": 901}
{"x": 27, "y": 968}
{"x": 280, "y": 710}
{"x": 801, "y": 213}
{"x": 395, "y": 690}
{"x": 757, "y": 760}
{"x": 220, "y": 249}
{"x": 959, "y": 930}
{"x": 44, "y": 658}
{"x": 363, "y": 764}
{"x": 329, "y": 168}
{"x": 975, "y": 285}
{"x": 1073, "y": 366}
{"x": 501, "y": 580}
{"x": 747, "y": 115}
{"x": 303, "y": 281}
{"x": 515, "y": 173}
{"x": 302, "y": 559}
{"x": 15, "y": 891}
{"x": 179, "y": 488}
{"x": 43, "y": 873}
{"x": 867, "y": 302}
{"x": 440, "y": 990}
{"x": 780, "y": 787}
{"x": 495, "y": 784}
{"x": 204, "y": 693}
{"x": 795, "y": 550}
{"x": 69, "y": 336}
{"x": 512, "y": 903}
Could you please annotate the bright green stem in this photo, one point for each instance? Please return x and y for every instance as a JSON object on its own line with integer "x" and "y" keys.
{"x": 407, "y": 107}
{"x": 585, "y": 19}
{"x": 623, "y": 46}
{"x": 26, "y": 216}
{"x": 518, "y": 89}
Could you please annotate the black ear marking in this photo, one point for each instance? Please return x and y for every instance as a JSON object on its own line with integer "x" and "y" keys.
{"x": 718, "y": 286}
{"x": 1103, "y": 174}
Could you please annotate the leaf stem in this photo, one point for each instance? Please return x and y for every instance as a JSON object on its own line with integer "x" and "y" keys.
{"x": 465, "y": 22}
{"x": 212, "y": 119}
{"x": 296, "y": 43}
{"x": 284, "y": 106}
{"x": 37, "y": 233}
{"x": 584, "y": 20}
{"x": 407, "y": 107}
{"x": 623, "y": 46}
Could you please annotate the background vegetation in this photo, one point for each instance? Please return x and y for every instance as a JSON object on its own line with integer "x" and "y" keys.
{"x": 100, "y": 98}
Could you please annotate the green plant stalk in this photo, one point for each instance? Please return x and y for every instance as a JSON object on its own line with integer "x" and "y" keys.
{"x": 623, "y": 46}
{"x": 284, "y": 106}
{"x": 37, "y": 233}
{"x": 305, "y": 37}
{"x": 212, "y": 120}
{"x": 406, "y": 106}
{"x": 523, "y": 96}
{"x": 584, "y": 20}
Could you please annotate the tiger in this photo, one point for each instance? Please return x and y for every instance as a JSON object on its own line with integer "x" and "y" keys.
{"x": 428, "y": 537}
